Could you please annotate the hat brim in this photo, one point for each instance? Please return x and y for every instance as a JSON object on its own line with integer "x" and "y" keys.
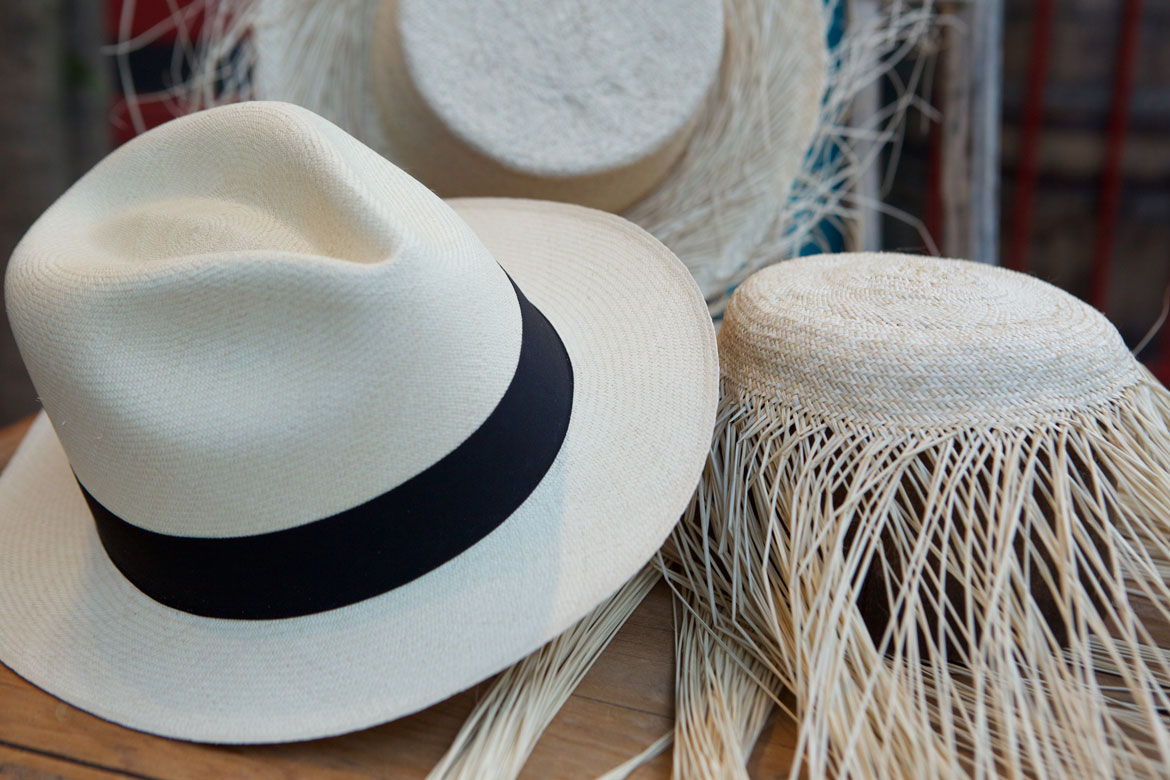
{"x": 645, "y": 390}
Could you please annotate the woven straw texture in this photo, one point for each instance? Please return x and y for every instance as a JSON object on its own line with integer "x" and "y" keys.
{"x": 245, "y": 269}
{"x": 588, "y": 103}
{"x": 936, "y": 511}
{"x": 908, "y": 342}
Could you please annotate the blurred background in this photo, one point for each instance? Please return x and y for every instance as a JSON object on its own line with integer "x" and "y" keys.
{"x": 1069, "y": 177}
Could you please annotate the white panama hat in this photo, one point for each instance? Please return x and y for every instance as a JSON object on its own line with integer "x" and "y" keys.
{"x": 283, "y": 371}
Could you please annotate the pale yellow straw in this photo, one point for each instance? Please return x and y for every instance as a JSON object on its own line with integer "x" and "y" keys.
{"x": 970, "y": 460}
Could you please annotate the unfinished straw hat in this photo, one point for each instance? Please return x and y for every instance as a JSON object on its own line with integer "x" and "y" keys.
{"x": 343, "y": 449}
{"x": 693, "y": 117}
{"x": 937, "y": 510}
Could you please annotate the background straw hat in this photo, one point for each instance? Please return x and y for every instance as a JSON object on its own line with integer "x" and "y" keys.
{"x": 936, "y": 510}
{"x": 280, "y": 328}
{"x": 589, "y": 103}
{"x": 695, "y": 120}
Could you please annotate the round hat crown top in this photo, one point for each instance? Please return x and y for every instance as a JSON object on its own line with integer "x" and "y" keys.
{"x": 245, "y": 320}
{"x": 563, "y": 88}
{"x": 889, "y": 339}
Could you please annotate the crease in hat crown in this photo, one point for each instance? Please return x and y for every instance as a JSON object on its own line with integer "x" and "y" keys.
{"x": 918, "y": 342}
{"x": 246, "y": 320}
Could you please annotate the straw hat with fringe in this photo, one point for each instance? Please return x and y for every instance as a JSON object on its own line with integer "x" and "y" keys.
{"x": 716, "y": 125}
{"x": 937, "y": 512}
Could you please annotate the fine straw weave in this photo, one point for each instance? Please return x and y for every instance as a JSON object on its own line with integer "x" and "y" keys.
{"x": 505, "y": 725}
{"x": 937, "y": 510}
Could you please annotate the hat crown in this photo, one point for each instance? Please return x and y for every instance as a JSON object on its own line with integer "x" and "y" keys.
{"x": 562, "y": 88}
{"x": 582, "y": 102}
{"x": 889, "y": 339}
{"x": 245, "y": 320}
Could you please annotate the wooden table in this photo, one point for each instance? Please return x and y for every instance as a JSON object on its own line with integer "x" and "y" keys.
{"x": 622, "y": 705}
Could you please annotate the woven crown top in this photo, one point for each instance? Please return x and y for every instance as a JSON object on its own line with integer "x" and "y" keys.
{"x": 562, "y": 88}
{"x": 889, "y": 339}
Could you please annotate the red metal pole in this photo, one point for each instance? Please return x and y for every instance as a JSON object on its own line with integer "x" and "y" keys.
{"x": 1030, "y": 128}
{"x": 1110, "y": 193}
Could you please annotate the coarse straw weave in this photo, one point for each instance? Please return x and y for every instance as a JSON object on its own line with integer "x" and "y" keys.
{"x": 936, "y": 511}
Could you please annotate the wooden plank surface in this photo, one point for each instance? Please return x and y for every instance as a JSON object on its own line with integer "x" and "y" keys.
{"x": 20, "y": 764}
{"x": 624, "y": 704}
